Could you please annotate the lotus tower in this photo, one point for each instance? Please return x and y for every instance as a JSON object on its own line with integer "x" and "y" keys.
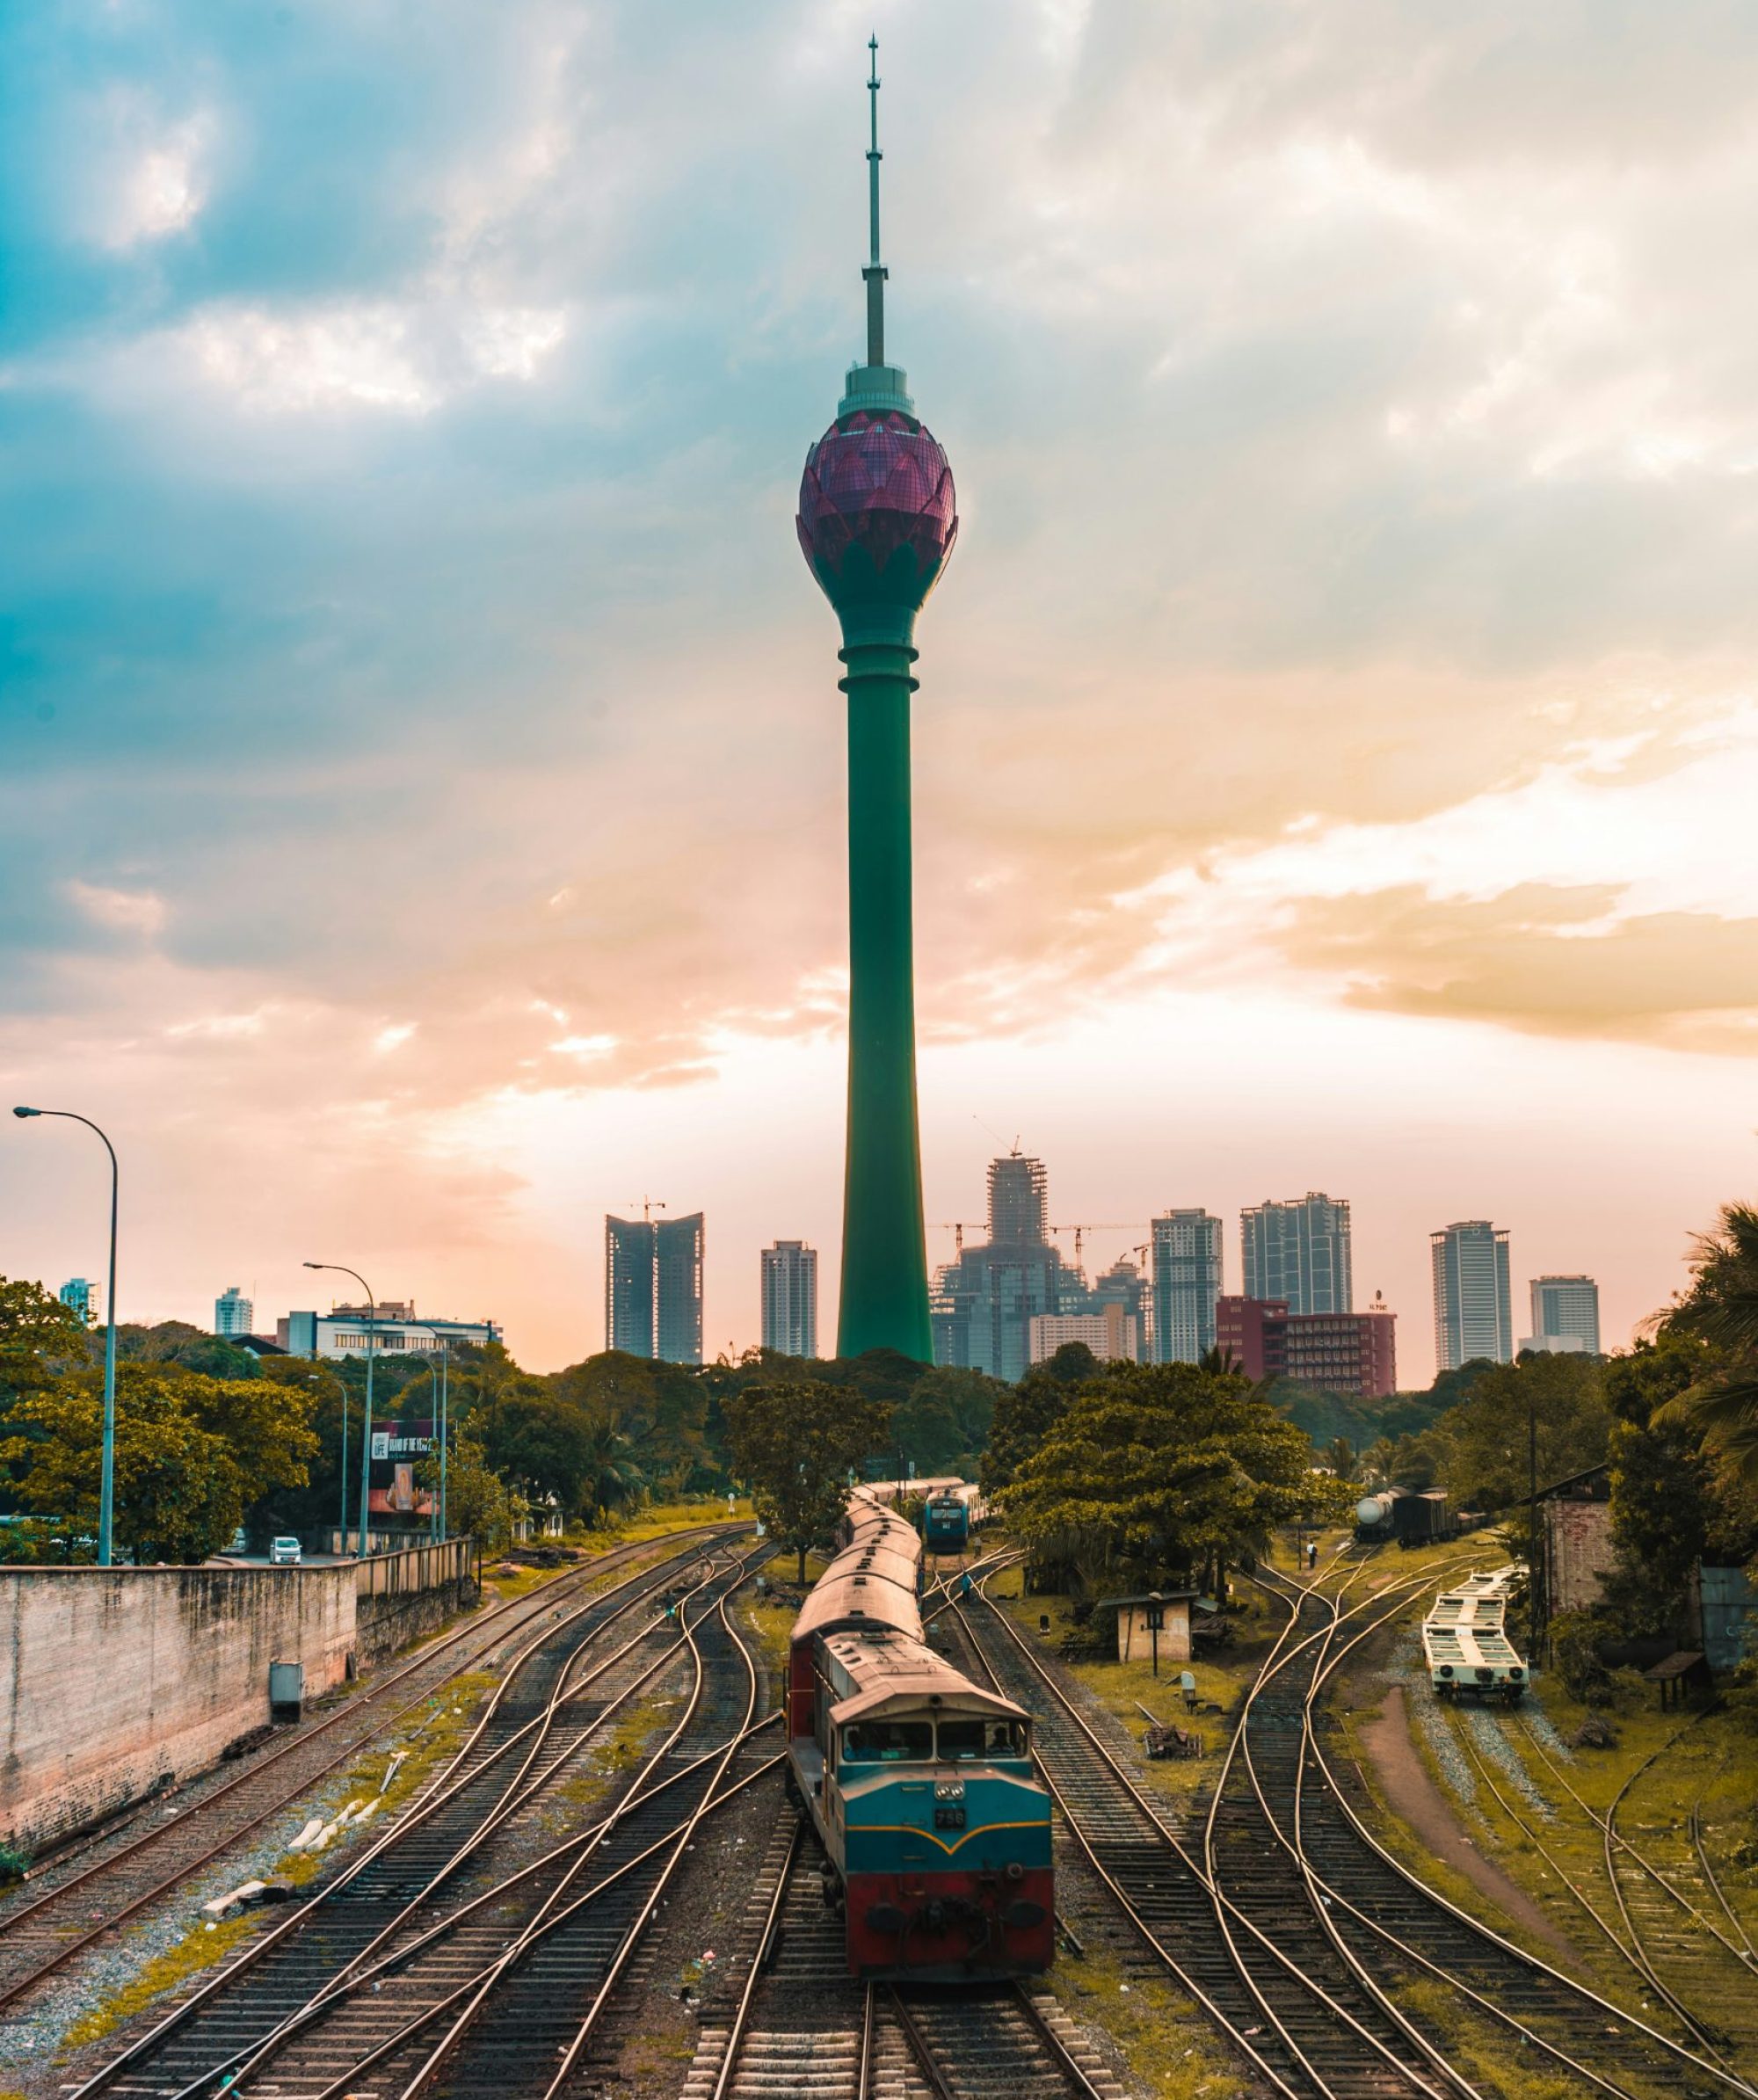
{"x": 876, "y": 522}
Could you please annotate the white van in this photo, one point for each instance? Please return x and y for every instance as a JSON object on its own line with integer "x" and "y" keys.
{"x": 285, "y": 1552}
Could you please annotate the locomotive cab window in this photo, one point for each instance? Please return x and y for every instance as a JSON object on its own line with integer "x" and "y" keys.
{"x": 981, "y": 1738}
{"x": 888, "y": 1742}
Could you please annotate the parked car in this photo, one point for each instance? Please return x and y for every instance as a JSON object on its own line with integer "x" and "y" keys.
{"x": 285, "y": 1552}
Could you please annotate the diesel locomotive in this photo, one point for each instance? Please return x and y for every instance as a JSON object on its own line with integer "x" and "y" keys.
{"x": 946, "y": 1523}
{"x": 918, "y": 1783}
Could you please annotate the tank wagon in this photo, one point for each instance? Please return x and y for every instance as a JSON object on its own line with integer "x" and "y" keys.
{"x": 1403, "y": 1515}
{"x": 946, "y": 1523}
{"x": 1468, "y": 1653}
{"x": 918, "y": 1783}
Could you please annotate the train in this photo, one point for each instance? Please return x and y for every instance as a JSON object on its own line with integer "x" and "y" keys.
{"x": 946, "y": 1523}
{"x": 1467, "y": 1649}
{"x": 918, "y": 1783}
{"x": 1412, "y": 1517}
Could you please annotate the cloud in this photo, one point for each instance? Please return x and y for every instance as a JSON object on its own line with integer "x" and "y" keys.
{"x": 1552, "y": 960}
{"x": 403, "y": 627}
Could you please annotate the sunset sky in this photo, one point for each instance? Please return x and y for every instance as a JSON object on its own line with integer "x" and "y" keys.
{"x": 420, "y": 761}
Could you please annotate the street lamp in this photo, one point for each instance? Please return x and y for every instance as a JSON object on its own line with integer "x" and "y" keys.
{"x": 106, "y": 1489}
{"x": 367, "y": 1427}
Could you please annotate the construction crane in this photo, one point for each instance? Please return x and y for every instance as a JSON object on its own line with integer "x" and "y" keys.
{"x": 1132, "y": 1225}
{"x": 957, "y": 1232}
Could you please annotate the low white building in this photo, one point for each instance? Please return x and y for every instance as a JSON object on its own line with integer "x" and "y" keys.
{"x": 1110, "y": 1334}
{"x": 390, "y": 1328}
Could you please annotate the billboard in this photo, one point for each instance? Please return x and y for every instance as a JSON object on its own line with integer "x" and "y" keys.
{"x": 392, "y": 1487}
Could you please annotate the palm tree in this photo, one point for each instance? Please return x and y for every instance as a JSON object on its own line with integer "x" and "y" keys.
{"x": 610, "y": 1476}
{"x": 1721, "y": 1309}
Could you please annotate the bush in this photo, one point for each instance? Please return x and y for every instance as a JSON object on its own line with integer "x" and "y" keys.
{"x": 1574, "y": 1650}
{"x": 12, "y": 1865}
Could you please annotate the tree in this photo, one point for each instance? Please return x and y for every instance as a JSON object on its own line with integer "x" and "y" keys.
{"x": 539, "y": 1444}
{"x": 191, "y": 1453}
{"x": 795, "y": 1444}
{"x": 1721, "y": 1311}
{"x": 480, "y": 1505}
{"x": 1025, "y": 1413}
{"x": 944, "y": 1423}
{"x": 1484, "y": 1439}
{"x": 193, "y": 1348}
{"x": 40, "y": 1338}
{"x": 1165, "y": 1470}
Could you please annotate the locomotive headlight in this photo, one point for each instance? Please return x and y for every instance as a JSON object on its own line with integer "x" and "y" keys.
{"x": 948, "y": 1790}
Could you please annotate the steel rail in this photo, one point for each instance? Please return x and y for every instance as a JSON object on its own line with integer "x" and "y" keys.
{"x": 411, "y": 2027}
{"x": 1282, "y": 1657}
{"x": 917, "y": 2042}
{"x": 1520, "y": 1956}
{"x": 508, "y": 1956}
{"x": 352, "y": 1978}
{"x": 168, "y": 1833}
{"x": 426, "y": 1805}
{"x": 1054, "y": 2044}
{"x": 1748, "y": 1953}
{"x": 741, "y": 2013}
{"x": 588, "y": 2025}
{"x": 1186, "y": 1982}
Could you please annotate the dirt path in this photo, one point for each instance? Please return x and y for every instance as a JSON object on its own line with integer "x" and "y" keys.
{"x": 1415, "y": 1799}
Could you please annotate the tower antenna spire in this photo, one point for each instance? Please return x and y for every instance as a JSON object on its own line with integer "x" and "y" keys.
{"x": 874, "y": 272}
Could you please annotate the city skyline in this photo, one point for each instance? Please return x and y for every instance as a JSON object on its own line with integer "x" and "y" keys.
{"x": 1342, "y": 429}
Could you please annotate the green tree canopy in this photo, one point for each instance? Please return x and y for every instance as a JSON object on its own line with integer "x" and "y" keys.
{"x": 1025, "y": 1413}
{"x": 1486, "y": 1437}
{"x": 192, "y": 1453}
{"x": 1159, "y": 1471}
{"x": 40, "y": 1338}
{"x": 795, "y": 1444}
{"x": 1720, "y": 1310}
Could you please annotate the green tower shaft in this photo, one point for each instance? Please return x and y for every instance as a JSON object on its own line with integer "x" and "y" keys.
{"x": 884, "y": 1301}
{"x": 876, "y": 523}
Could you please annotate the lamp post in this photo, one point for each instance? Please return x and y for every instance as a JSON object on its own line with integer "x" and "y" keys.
{"x": 341, "y": 1268}
{"x": 106, "y": 1488}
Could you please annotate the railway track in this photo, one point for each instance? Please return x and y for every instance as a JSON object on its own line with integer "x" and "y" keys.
{"x": 1295, "y": 1932}
{"x": 463, "y": 1890}
{"x": 42, "y": 1928}
{"x": 1392, "y": 1928}
{"x": 801, "y": 2026}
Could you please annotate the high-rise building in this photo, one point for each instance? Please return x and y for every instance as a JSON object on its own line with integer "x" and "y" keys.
{"x": 233, "y": 1312}
{"x": 1353, "y": 1353}
{"x": 1473, "y": 1314}
{"x": 790, "y": 1298}
{"x": 1298, "y": 1251}
{"x": 876, "y": 521}
{"x": 653, "y": 1287}
{"x": 1113, "y": 1335}
{"x": 986, "y": 1297}
{"x": 84, "y": 1297}
{"x": 1565, "y": 1315}
{"x": 1185, "y": 1255}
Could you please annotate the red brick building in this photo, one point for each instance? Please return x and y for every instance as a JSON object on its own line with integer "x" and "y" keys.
{"x": 1338, "y": 1352}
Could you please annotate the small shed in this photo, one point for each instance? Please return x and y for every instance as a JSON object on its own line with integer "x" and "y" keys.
{"x": 1136, "y": 1632}
{"x": 1679, "y": 1675}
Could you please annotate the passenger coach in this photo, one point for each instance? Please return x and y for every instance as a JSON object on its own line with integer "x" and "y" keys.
{"x": 918, "y": 1783}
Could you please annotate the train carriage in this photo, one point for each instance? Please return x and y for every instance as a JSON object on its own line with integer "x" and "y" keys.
{"x": 1465, "y": 1645}
{"x": 918, "y": 1783}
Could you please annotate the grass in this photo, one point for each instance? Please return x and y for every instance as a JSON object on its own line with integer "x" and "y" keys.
{"x": 1120, "y": 1685}
{"x": 429, "y": 1741}
{"x": 203, "y": 1947}
{"x": 1166, "y": 2043}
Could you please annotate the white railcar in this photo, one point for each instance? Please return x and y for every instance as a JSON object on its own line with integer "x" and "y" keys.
{"x": 1466, "y": 1646}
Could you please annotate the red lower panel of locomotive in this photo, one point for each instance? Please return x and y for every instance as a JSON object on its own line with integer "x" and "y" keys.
{"x": 949, "y": 1928}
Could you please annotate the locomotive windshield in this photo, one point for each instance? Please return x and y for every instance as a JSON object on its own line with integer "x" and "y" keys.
{"x": 981, "y": 1738}
{"x": 888, "y": 1742}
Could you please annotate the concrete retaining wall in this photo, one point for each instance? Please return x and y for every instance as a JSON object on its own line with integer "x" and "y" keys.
{"x": 115, "y": 1680}
{"x": 399, "y": 1597}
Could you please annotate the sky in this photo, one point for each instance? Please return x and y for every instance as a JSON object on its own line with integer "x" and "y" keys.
{"x": 421, "y": 768}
